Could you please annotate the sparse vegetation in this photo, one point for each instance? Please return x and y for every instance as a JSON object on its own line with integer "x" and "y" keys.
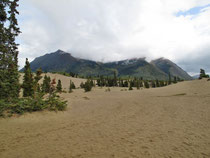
{"x": 181, "y": 94}
{"x": 33, "y": 98}
{"x": 203, "y": 74}
{"x": 108, "y": 90}
{"x": 71, "y": 86}
{"x": 59, "y": 86}
{"x": 28, "y": 81}
{"x": 87, "y": 86}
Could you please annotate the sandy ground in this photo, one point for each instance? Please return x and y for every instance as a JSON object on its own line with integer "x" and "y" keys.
{"x": 173, "y": 121}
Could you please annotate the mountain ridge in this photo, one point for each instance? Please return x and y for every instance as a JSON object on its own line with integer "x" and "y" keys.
{"x": 61, "y": 61}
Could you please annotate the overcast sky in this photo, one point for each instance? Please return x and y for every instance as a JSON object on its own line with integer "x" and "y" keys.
{"x": 109, "y": 30}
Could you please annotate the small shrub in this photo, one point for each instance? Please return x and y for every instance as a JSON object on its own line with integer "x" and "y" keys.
{"x": 87, "y": 86}
{"x": 108, "y": 90}
{"x": 59, "y": 86}
{"x": 55, "y": 104}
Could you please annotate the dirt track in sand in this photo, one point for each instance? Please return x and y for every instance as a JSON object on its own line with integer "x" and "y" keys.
{"x": 173, "y": 121}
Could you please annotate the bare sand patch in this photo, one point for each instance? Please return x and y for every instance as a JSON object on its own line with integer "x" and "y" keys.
{"x": 140, "y": 123}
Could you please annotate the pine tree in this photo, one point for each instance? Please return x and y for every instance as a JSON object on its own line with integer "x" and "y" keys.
{"x": 59, "y": 86}
{"x": 82, "y": 85}
{"x": 87, "y": 86}
{"x": 169, "y": 78}
{"x": 9, "y": 77}
{"x": 138, "y": 84}
{"x": 28, "y": 82}
{"x": 157, "y": 83}
{"x": 37, "y": 78}
{"x": 175, "y": 80}
{"x": 46, "y": 84}
{"x": 203, "y": 74}
{"x": 130, "y": 87}
{"x": 115, "y": 79}
{"x": 153, "y": 84}
{"x": 38, "y": 75}
{"x": 72, "y": 86}
{"x": 146, "y": 84}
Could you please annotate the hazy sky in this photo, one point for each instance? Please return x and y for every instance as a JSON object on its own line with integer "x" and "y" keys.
{"x": 109, "y": 30}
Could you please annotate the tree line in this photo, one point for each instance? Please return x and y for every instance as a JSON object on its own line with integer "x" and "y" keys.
{"x": 33, "y": 98}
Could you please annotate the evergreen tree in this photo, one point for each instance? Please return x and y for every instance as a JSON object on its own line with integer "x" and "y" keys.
{"x": 87, "y": 86}
{"x": 82, "y": 85}
{"x": 138, "y": 84}
{"x": 130, "y": 87}
{"x": 203, "y": 74}
{"x": 146, "y": 84}
{"x": 115, "y": 79}
{"x": 162, "y": 84}
{"x": 175, "y": 80}
{"x": 9, "y": 77}
{"x": 38, "y": 75}
{"x": 91, "y": 83}
{"x": 125, "y": 83}
{"x": 157, "y": 83}
{"x": 28, "y": 82}
{"x": 153, "y": 84}
{"x": 36, "y": 80}
{"x": 59, "y": 86}
{"x": 169, "y": 78}
{"x": 71, "y": 86}
{"x": 46, "y": 84}
{"x": 141, "y": 84}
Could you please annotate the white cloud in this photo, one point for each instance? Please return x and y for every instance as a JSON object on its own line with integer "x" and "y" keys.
{"x": 107, "y": 30}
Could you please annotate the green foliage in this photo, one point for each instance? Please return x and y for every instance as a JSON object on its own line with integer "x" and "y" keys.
{"x": 82, "y": 85}
{"x": 203, "y": 74}
{"x": 29, "y": 104}
{"x": 130, "y": 88}
{"x": 157, "y": 83}
{"x": 153, "y": 84}
{"x": 38, "y": 75}
{"x": 59, "y": 86}
{"x": 146, "y": 84}
{"x": 28, "y": 81}
{"x": 138, "y": 84}
{"x": 9, "y": 77}
{"x": 71, "y": 86}
{"x": 87, "y": 86}
{"x": 46, "y": 84}
{"x": 54, "y": 103}
{"x": 162, "y": 84}
{"x": 33, "y": 100}
{"x": 36, "y": 80}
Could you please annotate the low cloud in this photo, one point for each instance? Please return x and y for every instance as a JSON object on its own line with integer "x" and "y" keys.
{"x": 109, "y": 30}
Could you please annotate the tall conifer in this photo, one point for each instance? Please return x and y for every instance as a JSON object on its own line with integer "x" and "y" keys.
{"x": 28, "y": 82}
{"x": 9, "y": 77}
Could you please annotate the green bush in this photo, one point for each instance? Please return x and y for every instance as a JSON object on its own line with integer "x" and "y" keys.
{"x": 87, "y": 86}
{"x": 28, "y": 104}
{"x": 55, "y": 104}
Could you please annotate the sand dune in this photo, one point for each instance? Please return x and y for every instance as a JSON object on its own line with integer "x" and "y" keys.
{"x": 173, "y": 121}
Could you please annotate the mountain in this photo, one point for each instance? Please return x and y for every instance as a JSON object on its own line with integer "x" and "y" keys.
{"x": 168, "y": 66}
{"x": 196, "y": 76}
{"x": 137, "y": 68}
{"x": 61, "y": 61}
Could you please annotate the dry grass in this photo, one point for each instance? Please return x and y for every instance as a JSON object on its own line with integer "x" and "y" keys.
{"x": 120, "y": 124}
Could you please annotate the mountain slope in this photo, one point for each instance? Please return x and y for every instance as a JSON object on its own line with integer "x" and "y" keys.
{"x": 137, "y": 68}
{"x": 168, "y": 66}
{"x": 61, "y": 61}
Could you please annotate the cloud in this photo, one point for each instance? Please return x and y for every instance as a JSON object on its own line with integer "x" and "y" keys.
{"x": 108, "y": 30}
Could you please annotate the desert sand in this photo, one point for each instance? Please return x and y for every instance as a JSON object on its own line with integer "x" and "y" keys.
{"x": 173, "y": 121}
